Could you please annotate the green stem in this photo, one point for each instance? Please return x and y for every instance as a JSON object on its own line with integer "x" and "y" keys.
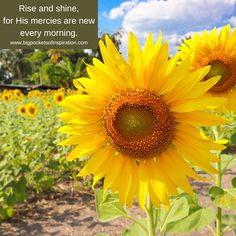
{"x": 150, "y": 211}
{"x": 219, "y": 232}
{"x": 219, "y": 210}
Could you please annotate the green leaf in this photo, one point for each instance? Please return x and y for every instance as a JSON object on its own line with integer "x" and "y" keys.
{"x": 233, "y": 139}
{"x": 11, "y": 200}
{"x": 228, "y": 161}
{"x": 22, "y": 184}
{"x": 215, "y": 191}
{"x": 136, "y": 229}
{"x": 178, "y": 211}
{"x": 19, "y": 189}
{"x": 38, "y": 175}
{"x": 194, "y": 222}
{"x": 9, "y": 212}
{"x": 47, "y": 182}
{"x": 229, "y": 220}
{"x": 53, "y": 165}
{"x": 108, "y": 208}
{"x": 233, "y": 181}
{"x": 223, "y": 198}
{"x": 3, "y": 214}
{"x": 192, "y": 201}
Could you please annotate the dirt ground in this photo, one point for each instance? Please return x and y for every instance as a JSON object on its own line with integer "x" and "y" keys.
{"x": 67, "y": 213}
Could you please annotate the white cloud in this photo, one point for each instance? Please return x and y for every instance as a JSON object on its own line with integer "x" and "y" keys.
{"x": 121, "y": 10}
{"x": 175, "y": 18}
{"x": 176, "y": 15}
{"x": 232, "y": 21}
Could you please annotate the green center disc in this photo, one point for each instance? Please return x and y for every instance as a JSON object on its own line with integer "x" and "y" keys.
{"x": 134, "y": 122}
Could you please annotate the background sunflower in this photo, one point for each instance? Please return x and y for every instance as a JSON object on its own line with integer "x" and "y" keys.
{"x": 219, "y": 51}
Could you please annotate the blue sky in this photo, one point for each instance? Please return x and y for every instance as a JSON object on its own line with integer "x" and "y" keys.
{"x": 175, "y": 18}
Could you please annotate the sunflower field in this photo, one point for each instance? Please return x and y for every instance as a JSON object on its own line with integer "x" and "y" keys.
{"x": 30, "y": 157}
{"x": 141, "y": 130}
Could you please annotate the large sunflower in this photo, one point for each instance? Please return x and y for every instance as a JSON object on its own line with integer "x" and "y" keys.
{"x": 137, "y": 123}
{"x": 219, "y": 51}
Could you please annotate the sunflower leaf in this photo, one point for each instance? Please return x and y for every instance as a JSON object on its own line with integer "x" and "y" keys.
{"x": 233, "y": 181}
{"x": 194, "y": 222}
{"x": 108, "y": 207}
{"x": 229, "y": 220}
{"x": 178, "y": 211}
{"x": 223, "y": 198}
{"x": 233, "y": 138}
{"x": 136, "y": 229}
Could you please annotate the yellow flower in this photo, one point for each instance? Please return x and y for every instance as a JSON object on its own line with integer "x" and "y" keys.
{"x": 62, "y": 90}
{"x": 6, "y": 97}
{"x": 138, "y": 122}
{"x": 47, "y": 105}
{"x": 58, "y": 97}
{"x": 218, "y": 51}
{"x": 22, "y": 110}
{"x": 69, "y": 92}
{"x": 17, "y": 93}
{"x": 31, "y": 109}
{"x": 44, "y": 98}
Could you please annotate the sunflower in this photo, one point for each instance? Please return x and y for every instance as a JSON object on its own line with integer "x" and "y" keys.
{"x": 6, "y": 97}
{"x": 17, "y": 94}
{"x": 22, "y": 110}
{"x": 31, "y": 109}
{"x": 44, "y": 98}
{"x": 137, "y": 125}
{"x": 48, "y": 105}
{"x": 58, "y": 97}
{"x": 219, "y": 51}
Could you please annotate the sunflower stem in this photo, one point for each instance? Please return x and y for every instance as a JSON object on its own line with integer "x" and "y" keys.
{"x": 150, "y": 211}
{"x": 219, "y": 210}
{"x": 218, "y": 135}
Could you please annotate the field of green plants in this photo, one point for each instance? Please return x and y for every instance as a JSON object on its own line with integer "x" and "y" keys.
{"x": 30, "y": 159}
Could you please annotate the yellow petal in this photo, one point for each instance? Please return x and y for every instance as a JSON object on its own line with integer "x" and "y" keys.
{"x": 143, "y": 184}
{"x": 97, "y": 160}
{"x": 85, "y": 149}
{"x": 178, "y": 177}
{"x": 125, "y": 181}
{"x": 200, "y": 118}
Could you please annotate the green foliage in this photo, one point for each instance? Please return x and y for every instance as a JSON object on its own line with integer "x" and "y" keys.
{"x": 233, "y": 181}
{"x": 185, "y": 215}
{"x": 194, "y": 222}
{"x": 137, "y": 228}
{"x": 29, "y": 155}
{"x": 108, "y": 206}
{"x": 227, "y": 162}
{"x": 14, "y": 65}
{"x": 63, "y": 72}
{"x": 233, "y": 139}
{"x": 178, "y": 211}
{"x": 223, "y": 198}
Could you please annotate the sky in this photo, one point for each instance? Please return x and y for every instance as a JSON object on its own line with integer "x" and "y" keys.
{"x": 175, "y": 18}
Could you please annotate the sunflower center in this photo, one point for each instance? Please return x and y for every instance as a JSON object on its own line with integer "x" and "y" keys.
{"x": 134, "y": 122}
{"x": 224, "y": 65}
{"x": 138, "y": 123}
{"x": 218, "y": 68}
{"x": 31, "y": 110}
